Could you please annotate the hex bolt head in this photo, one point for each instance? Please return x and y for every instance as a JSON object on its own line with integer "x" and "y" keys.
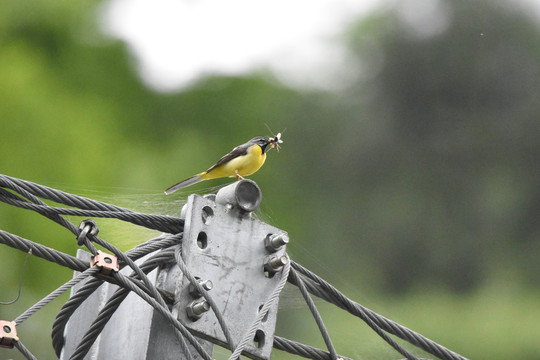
{"x": 197, "y": 308}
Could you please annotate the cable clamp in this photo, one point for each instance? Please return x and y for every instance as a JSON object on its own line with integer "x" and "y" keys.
{"x": 8, "y": 333}
{"x": 86, "y": 227}
{"x": 106, "y": 262}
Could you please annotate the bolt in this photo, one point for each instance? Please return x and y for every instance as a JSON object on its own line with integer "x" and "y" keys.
{"x": 7, "y": 329}
{"x": 197, "y": 308}
{"x": 205, "y": 284}
{"x": 276, "y": 262}
{"x": 274, "y": 242}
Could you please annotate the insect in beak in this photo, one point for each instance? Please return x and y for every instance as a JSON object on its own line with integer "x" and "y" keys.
{"x": 275, "y": 141}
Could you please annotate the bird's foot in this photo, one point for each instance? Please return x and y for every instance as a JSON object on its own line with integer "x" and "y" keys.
{"x": 238, "y": 176}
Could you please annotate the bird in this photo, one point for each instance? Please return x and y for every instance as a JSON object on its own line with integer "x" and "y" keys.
{"x": 243, "y": 160}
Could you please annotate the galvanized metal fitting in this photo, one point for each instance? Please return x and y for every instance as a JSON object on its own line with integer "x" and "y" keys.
{"x": 197, "y": 308}
{"x": 275, "y": 242}
{"x": 106, "y": 262}
{"x": 243, "y": 195}
{"x": 86, "y": 227}
{"x": 8, "y": 333}
{"x": 205, "y": 284}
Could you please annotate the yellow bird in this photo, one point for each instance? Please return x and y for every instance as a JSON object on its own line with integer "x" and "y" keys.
{"x": 243, "y": 160}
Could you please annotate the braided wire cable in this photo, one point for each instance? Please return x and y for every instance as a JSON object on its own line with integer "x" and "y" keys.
{"x": 31, "y": 190}
{"x": 53, "y": 295}
{"x": 315, "y": 313}
{"x": 296, "y": 348}
{"x": 12, "y": 183}
{"x": 377, "y": 330}
{"x": 56, "y": 195}
{"x": 68, "y": 309}
{"x": 364, "y": 315}
{"x": 321, "y": 288}
{"x": 27, "y": 195}
{"x": 42, "y": 251}
{"x": 158, "y": 243}
{"x": 23, "y": 350}
{"x": 13, "y": 199}
{"x": 248, "y": 336}
{"x": 154, "y": 222}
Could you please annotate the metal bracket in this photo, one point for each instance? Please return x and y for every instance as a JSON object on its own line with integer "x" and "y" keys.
{"x": 225, "y": 245}
{"x": 106, "y": 262}
{"x": 8, "y": 333}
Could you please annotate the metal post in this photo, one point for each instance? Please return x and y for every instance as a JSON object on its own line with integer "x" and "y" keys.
{"x": 235, "y": 258}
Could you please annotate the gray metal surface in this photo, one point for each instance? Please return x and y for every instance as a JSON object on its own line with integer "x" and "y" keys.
{"x": 223, "y": 243}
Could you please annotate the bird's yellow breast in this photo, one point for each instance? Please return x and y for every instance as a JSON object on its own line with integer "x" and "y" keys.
{"x": 245, "y": 164}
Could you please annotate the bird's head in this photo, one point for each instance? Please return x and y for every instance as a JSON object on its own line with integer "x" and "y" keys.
{"x": 262, "y": 142}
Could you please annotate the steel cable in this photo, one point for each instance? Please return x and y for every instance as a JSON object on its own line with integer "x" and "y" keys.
{"x": 155, "y": 222}
{"x": 27, "y": 195}
{"x": 23, "y": 350}
{"x": 303, "y": 350}
{"x": 42, "y": 251}
{"x": 321, "y": 288}
{"x": 94, "y": 208}
{"x": 13, "y": 199}
{"x": 53, "y": 295}
{"x": 315, "y": 313}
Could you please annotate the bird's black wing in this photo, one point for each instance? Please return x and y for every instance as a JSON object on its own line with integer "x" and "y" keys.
{"x": 236, "y": 152}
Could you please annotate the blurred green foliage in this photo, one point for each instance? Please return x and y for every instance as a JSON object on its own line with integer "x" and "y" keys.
{"x": 415, "y": 189}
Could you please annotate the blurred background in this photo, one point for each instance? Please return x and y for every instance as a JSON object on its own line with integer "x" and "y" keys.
{"x": 409, "y": 176}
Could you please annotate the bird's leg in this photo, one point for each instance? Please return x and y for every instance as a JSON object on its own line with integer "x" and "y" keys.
{"x": 238, "y": 176}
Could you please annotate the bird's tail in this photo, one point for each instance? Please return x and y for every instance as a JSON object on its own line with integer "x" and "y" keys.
{"x": 184, "y": 183}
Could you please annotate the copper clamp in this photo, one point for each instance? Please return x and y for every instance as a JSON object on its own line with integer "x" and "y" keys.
{"x": 106, "y": 262}
{"x": 8, "y": 333}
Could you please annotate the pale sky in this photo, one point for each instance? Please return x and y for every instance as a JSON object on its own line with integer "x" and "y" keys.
{"x": 175, "y": 42}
